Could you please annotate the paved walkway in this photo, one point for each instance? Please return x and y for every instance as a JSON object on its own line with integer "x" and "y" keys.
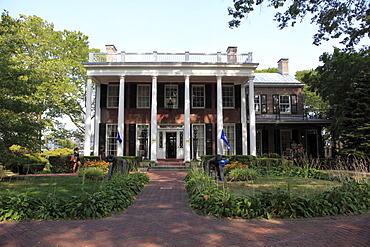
{"x": 161, "y": 216}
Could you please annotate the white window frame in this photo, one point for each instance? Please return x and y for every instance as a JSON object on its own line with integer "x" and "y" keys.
{"x": 285, "y": 140}
{"x": 201, "y": 98}
{"x": 201, "y": 135}
{"x": 140, "y": 141}
{"x": 286, "y": 105}
{"x": 111, "y": 141}
{"x": 141, "y": 99}
{"x": 113, "y": 96}
{"x": 228, "y": 99}
{"x": 171, "y": 92}
{"x": 257, "y": 104}
{"x": 230, "y": 135}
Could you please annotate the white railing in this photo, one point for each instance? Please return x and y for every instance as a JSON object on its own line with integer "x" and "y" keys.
{"x": 171, "y": 57}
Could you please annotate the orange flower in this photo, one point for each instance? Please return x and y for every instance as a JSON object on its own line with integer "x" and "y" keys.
{"x": 206, "y": 197}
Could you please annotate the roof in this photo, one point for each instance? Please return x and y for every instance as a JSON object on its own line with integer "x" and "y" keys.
{"x": 272, "y": 78}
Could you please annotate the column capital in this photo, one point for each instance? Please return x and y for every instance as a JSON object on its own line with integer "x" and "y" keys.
{"x": 187, "y": 77}
{"x": 122, "y": 76}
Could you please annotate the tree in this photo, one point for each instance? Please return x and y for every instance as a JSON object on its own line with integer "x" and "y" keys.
{"x": 343, "y": 82}
{"x": 269, "y": 70}
{"x": 19, "y": 122}
{"x": 55, "y": 58}
{"x": 349, "y": 20}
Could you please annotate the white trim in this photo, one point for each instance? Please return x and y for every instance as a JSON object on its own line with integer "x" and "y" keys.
{"x": 153, "y": 126}
{"x": 186, "y": 138}
{"x": 252, "y": 119}
{"x": 121, "y": 115}
{"x": 88, "y": 117}
{"x": 97, "y": 119}
{"x": 220, "y": 118}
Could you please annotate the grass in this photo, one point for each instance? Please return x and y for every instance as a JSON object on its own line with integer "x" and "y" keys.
{"x": 295, "y": 185}
{"x": 43, "y": 186}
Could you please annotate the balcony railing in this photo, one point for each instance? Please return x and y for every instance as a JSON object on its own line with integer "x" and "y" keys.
{"x": 171, "y": 57}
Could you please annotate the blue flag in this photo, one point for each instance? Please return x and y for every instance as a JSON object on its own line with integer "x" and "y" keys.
{"x": 119, "y": 138}
{"x": 223, "y": 137}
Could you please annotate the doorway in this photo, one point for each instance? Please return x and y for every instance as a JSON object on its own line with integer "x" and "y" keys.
{"x": 171, "y": 146}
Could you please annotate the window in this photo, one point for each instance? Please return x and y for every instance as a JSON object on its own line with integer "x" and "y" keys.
{"x": 198, "y": 99}
{"x": 143, "y": 135}
{"x": 113, "y": 96}
{"x": 257, "y": 103}
{"x": 230, "y": 135}
{"x": 111, "y": 139}
{"x": 143, "y": 96}
{"x": 171, "y": 95}
{"x": 286, "y": 138}
{"x": 198, "y": 140}
{"x": 284, "y": 103}
{"x": 260, "y": 103}
{"x": 228, "y": 96}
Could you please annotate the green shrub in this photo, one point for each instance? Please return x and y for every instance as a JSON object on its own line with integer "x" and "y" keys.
{"x": 60, "y": 164}
{"x": 92, "y": 173}
{"x": 271, "y": 155}
{"x": 115, "y": 195}
{"x": 242, "y": 174}
{"x": 205, "y": 197}
{"x": 273, "y": 162}
{"x": 26, "y": 164}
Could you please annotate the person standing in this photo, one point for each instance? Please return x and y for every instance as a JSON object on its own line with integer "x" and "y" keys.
{"x": 76, "y": 160}
{"x": 102, "y": 153}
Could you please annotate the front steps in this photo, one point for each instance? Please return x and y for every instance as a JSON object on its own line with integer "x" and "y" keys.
{"x": 169, "y": 165}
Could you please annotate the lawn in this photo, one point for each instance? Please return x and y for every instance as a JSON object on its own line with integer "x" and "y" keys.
{"x": 43, "y": 186}
{"x": 295, "y": 185}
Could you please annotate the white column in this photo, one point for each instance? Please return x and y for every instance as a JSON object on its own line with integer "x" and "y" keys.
{"x": 121, "y": 115}
{"x": 153, "y": 126}
{"x": 244, "y": 120}
{"x": 220, "y": 117}
{"x": 187, "y": 119}
{"x": 252, "y": 119}
{"x": 88, "y": 117}
{"x": 97, "y": 119}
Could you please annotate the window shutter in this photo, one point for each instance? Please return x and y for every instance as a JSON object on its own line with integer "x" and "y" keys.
{"x": 208, "y": 139}
{"x": 160, "y": 95}
{"x": 263, "y": 103}
{"x": 132, "y": 140}
{"x": 181, "y": 97}
{"x": 103, "y": 95}
{"x": 275, "y": 102}
{"x": 133, "y": 91}
{"x": 238, "y": 139}
{"x": 293, "y": 103}
{"x": 208, "y": 96}
{"x": 237, "y": 96}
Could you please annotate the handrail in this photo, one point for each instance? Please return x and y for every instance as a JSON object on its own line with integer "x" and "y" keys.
{"x": 171, "y": 57}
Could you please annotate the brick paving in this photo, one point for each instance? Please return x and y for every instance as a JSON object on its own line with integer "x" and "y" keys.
{"x": 161, "y": 216}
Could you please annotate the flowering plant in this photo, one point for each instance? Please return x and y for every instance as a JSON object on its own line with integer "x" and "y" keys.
{"x": 233, "y": 165}
{"x": 104, "y": 166}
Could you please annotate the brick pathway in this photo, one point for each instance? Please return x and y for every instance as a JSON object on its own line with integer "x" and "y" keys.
{"x": 161, "y": 216}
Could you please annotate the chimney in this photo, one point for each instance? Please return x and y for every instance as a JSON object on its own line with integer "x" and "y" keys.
{"x": 283, "y": 66}
{"x": 112, "y": 51}
{"x": 231, "y": 54}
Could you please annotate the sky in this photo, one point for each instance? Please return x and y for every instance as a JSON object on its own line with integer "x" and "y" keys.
{"x": 177, "y": 26}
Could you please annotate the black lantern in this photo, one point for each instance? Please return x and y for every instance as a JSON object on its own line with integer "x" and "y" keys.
{"x": 170, "y": 104}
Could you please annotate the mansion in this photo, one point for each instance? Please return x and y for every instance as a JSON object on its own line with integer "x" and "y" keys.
{"x": 176, "y": 105}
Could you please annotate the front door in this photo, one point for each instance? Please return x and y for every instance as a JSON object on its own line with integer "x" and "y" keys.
{"x": 171, "y": 146}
